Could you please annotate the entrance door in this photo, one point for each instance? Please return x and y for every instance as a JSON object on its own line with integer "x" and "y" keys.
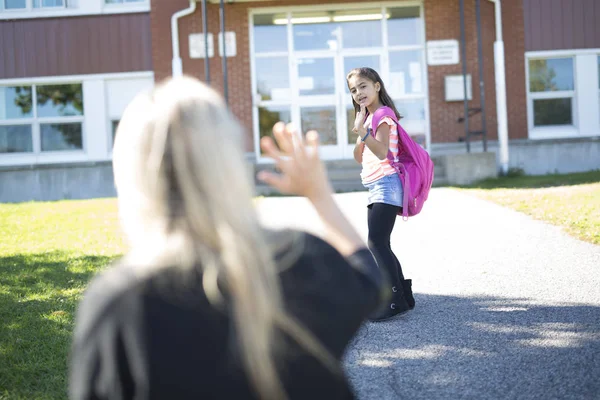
{"x": 316, "y": 105}
{"x": 326, "y": 45}
{"x": 301, "y": 57}
{"x": 349, "y": 62}
{"x": 323, "y": 99}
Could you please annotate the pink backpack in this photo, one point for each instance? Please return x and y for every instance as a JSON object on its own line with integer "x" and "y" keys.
{"x": 414, "y": 166}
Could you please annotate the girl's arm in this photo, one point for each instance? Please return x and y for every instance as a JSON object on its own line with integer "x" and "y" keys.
{"x": 380, "y": 144}
{"x": 358, "y": 150}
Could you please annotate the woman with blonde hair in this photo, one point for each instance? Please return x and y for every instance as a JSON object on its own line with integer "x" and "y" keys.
{"x": 207, "y": 303}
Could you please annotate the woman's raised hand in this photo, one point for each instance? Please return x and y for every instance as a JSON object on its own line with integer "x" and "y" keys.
{"x": 302, "y": 171}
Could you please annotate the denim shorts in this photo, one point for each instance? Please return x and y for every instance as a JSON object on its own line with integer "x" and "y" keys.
{"x": 386, "y": 190}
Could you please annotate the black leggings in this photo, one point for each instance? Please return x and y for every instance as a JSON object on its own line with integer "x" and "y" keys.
{"x": 381, "y": 220}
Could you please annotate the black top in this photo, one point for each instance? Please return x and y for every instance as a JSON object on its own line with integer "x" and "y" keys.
{"x": 139, "y": 338}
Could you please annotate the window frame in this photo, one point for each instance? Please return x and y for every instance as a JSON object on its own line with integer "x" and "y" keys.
{"x": 383, "y": 52}
{"x": 585, "y": 98}
{"x": 552, "y": 95}
{"x": 29, "y": 7}
{"x": 41, "y": 7}
{"x": 36, "y": 122}
{"x": 69, "y": 9}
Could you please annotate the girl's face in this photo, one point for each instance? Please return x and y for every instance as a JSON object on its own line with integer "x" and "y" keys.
{"x": 365, "y": 92}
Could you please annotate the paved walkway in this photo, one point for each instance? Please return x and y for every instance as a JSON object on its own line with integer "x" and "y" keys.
{"x": 507, "y": 307}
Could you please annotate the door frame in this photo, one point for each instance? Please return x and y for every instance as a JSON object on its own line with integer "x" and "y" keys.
{"x": 344, "y": 149}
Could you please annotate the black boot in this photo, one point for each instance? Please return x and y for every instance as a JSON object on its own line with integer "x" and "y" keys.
{"x": 396, "y": 306}
{"x": 408, "y": 295}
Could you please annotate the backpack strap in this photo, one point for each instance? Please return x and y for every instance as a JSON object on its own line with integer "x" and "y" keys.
{"x": 381, "y": 113}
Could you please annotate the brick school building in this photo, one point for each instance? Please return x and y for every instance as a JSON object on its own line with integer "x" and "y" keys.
{"x": 68, "y": 68}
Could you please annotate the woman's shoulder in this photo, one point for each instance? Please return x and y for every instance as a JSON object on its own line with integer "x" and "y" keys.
{"x": 298, "y": 242}
{"x": 309, "y": 255}
{"x": 107, "y": 291}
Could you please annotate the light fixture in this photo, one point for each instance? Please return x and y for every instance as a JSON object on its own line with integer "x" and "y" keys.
{"x": 302, "y": 20}
{"x": 335, "y": 18}
{"x": 358, "y": 17}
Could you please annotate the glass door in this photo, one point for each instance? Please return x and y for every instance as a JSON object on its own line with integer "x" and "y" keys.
{"x": 349, "y": 62}
{"x": 327, "y": 44}
{"x": 316, "y": 100}
{"x": 301, "y": 58}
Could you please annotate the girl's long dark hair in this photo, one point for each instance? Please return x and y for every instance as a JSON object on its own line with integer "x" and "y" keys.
{"x": 373, "y": 76}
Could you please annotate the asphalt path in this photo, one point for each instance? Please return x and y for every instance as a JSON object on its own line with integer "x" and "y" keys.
{"x": 507, "y": 307}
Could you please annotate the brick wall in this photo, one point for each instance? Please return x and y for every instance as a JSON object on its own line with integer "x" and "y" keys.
{"x": 514, "y": 52}
{"x": 442, "y": 21}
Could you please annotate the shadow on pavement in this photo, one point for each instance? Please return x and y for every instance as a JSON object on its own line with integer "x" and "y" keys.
{"x": 479, "y": 348}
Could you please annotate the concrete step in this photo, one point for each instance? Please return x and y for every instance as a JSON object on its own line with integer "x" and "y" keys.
{"x": 439, "y": 168}
{"x": 345, "y": 176}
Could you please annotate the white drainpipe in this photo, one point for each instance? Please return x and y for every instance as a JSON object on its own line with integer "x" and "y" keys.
{"x": 501, "y": 108}
{"x": 177, "y": 65}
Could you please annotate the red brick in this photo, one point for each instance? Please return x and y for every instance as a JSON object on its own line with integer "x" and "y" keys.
{"x": 442, "y": 21}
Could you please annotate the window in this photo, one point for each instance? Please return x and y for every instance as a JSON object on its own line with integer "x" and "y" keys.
{"x": 301, "y": 56}
{"x": 41, "y": 118}
{"x": 405, "y": 26}
{"x": 271, "y": 65}
{"x": 28, "y": 4}
{"x": 14, "y": 4}
{"x": 552, "y": 91}
{"x": 48, "y": 3}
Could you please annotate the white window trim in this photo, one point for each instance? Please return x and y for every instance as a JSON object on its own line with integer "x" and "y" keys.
{"x": 85, "y": 7}
{"x": 36, "y": 123}
{"x": 29, "y": 8}
{"x": 578, "y": 107}
{"x": 71, "y": 156}
{"x": 257, "y": 103}
{"x": 75, "y": 78}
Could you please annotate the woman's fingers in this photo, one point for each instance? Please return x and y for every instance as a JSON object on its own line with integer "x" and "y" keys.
{"x": 268, "y": 145}
{"x": 297, "y": 143}
{"x": 280, "y": 131}
{"x": 301, "y": 170}
{"x": 312, "y": 142}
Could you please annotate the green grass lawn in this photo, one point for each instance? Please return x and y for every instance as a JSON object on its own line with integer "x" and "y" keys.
{"x": 571, "y": 201}
{"x": 48, "y": 252}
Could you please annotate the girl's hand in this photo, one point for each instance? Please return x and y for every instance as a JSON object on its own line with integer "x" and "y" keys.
{"x": 360, "y": 121}
{"x": 302, "y": 171}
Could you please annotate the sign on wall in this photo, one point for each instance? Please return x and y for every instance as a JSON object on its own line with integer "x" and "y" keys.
{"x": 196, "y": 41}
{"x": 454, "y": 88}
{"x": 442, "y": 52}
{"x": 230, "y": 44}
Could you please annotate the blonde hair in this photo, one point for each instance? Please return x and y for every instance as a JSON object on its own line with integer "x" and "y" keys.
{"x": 185, "y": 195}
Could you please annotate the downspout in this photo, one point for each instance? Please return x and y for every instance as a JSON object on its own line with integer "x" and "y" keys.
{"x": 176, "y": 64}
{"x": 501, "y": 107}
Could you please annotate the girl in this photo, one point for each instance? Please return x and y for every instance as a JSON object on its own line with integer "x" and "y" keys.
{"x": 382, "y": 181}
{"x": 207, "y": 304}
